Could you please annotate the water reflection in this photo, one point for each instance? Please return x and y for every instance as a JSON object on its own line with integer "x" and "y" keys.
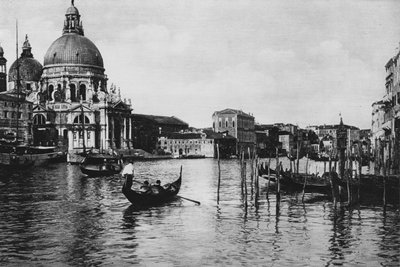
{"x": 54, "y": 215}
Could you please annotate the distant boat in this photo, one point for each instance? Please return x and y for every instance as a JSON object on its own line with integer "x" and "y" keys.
{"x": 101, "y": 164}
{"x": 192, "y": 156}
{"x": 321, "y": 157}
{"x": 28, "y": 156}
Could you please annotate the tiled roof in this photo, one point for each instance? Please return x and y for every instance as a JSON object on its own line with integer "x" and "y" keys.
{"x": 213, "y": 135}
{"x": 6, "y": 96}
{"x": 162, "y": 119}
{"x": 232, "y": 111}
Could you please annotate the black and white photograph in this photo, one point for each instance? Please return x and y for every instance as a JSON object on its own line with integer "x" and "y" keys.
{"x": 199, "y": 133}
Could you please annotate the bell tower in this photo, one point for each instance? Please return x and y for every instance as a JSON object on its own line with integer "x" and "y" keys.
{"x": 3, "y": 71}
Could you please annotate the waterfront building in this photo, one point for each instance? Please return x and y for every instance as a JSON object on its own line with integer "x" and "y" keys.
{"x": 239, "y": 125}
{"x": 287, "y": 127}
{"x": 327, "y": 135}
{"x": 365, "y": 140}
{"x": 385, "y": 127}
{"x": 267, "y": 140}
{"x": 197, "y": 143}
{"x": 185, "y": 144}
{"x": 15, "y": 121}
{"x": 70, "y": 94}
{"x": 378, "y": 120}
{"x": 3, "y": 71}
{"x": 287, "y": 141}
{"x": 147, "y": 129}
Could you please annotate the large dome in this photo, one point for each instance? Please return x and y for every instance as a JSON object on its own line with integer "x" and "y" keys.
{"x": 75, "y": 49}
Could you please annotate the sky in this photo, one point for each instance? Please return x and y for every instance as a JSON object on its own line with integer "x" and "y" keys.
{"x": 299, "y": 62}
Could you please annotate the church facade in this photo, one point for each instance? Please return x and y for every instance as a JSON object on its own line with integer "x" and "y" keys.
{"x": 73, "y": 106}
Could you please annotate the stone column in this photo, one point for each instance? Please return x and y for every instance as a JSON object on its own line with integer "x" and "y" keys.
{"x": 106, "y": 141}
{"x": 70, "y": 141}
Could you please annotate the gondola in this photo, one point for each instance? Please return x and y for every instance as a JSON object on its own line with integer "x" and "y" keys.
{"x": 140, "y": 199}
{"x": 314, "y": 184}
{"x": 101, "y": 165}
{"x": 264, "y": 170}
{"x": 263, "y": 173}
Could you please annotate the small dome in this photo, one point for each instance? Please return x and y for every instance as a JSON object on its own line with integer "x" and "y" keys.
{"x": 73, "y": 48}
{"x": 1, "y": 51}
{"x": 29, "y": 70}
{"x": 72, "y": 10}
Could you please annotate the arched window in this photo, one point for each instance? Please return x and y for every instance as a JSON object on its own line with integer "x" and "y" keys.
{"x": 82, "y": 92}
{"x": 233, "y": 123}
{"x": 73, "y": 92}
{"x": 51, "y": 89}
{"x": 57, "y": 96}
{"x": 39, "y": 119}
{"x": 79, "y": 119}
{"x": 226, "y": 123}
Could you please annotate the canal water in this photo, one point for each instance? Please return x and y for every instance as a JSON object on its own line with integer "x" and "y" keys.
{"x": 55, "y": 216}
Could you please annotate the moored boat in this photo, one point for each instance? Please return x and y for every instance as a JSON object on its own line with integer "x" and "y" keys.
{"x": 192, "y": 156}
{"x": 310, "y": 183}
{"x": 27, "y": 156}
{"x": 151, "y": 198}
{"x": 101, "y": 164}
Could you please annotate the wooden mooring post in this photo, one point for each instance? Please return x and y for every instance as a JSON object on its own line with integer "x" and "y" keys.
{"x": 331, "y": 181}
{"x": 256, "y": 180}
{"x": 349, "y": 175}
{"x": 360, "y": 171}
{"x": 384, "y": 184}
{"x": 219, "y": 174}
{"x": 278, "y": 191}
{"x": 305, "y": 181}
{"x": 269, "y": 176}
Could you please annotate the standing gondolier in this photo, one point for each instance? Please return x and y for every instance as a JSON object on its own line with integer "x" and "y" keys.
{"x": 128, "y": 173}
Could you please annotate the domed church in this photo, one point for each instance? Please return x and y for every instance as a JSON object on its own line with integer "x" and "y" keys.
{"x": 73, "y": 106}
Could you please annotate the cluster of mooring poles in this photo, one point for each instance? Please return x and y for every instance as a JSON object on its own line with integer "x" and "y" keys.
{"x": 343, "y": 179}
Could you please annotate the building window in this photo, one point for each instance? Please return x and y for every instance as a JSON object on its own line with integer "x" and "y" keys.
{"x": 220, "y": 122}
{"x": 82, "y": 92}
{"x": 19, "y": 115}
{"x": 73, "y": 92}
{"x": 74, "y": 136}
{"x": 51, "y": 89}
{"x": 226, "y": 123}
{"x": 5, "y": 114}
{"x": 233, "y": 123}
{"x": 79, "y": 119}
{"x": 88, "y": 135}
{"x": 39, "y": 119}
{"x": 5, "y": 104}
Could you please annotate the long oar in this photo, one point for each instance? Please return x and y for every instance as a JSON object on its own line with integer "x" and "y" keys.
{"x": 185, "y": 198}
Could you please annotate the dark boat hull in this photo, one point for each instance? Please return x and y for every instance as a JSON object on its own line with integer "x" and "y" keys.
{"x": 92, "y": 172}
{"x": 139, "y": 199}
{"x": 101, "y": 165}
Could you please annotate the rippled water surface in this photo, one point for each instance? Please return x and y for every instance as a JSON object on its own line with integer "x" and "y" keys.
{"x": 56, "y": 216}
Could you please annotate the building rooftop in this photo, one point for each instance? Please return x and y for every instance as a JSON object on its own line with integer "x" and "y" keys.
{"x": 232, "y": 111}
{"x": 162, "y": 119}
